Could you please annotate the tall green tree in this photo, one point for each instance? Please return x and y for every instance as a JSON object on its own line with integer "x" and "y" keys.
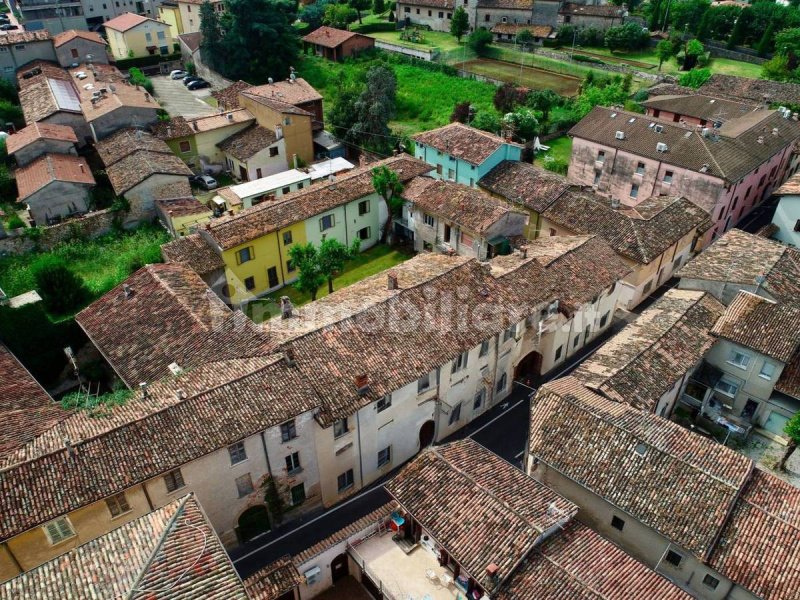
{"x": 359, "y": 5}
{"x": 792, "y": 429}
{"x": 378, "y": 7}
{"x": 655, "y": 15}
{"x": 305, "y": 257}
{"x": 250, "y": 27}
{"x": 314, "y": 13}
{"x": 459, "y": 24}
{"x": 333, "y": 255}
{"x": 740, "y": 28}
{"x": 663, "y": 51}
{"x": 375, "y": 108}
{"x": 765, "y": 43}
{"x": 343, "y": 115}
{"x": 687, "y": 14}
{"x": 525, "y": 38}
{"x": 479, "y": 40}
{"x": 339, "y": 15}
{"x": 788, "y": 41}
{"x": 211, "y": 44}
{"x": 388, "y": 186}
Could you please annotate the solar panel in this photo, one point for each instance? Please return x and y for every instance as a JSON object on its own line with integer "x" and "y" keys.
{"x": 65, "y": 94}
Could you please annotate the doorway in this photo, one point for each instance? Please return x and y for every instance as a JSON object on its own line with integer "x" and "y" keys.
{"x": 252, "y": 522}
{"x": 339, "y": 568}
{"x": 243, "y": 173}
{"x": 426, "y": 433}
{"x": 529, "y": 367}
{"x": 272, "y": 277}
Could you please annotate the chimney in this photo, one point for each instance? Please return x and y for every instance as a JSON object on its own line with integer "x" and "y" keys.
{"x": 391, "y": 276}
{"x": 493, "y": 573}
{"x": 524, "y": 251}
{"x": 615, "y": 203}
{"x": 81, "y": 167}
{"x": 362, "y": 160}
{"x": 294, "y": 161}
{"x": 760, "y": 139}
{"x": 286, "y": 307}
{"x": 180, "y": 394}
{"x": 194, "y": 126}
{"x": 278, "y": 131}
{"x": 143, "y": 388}
{"x": 126, "y": 289}
{"x": 775, "y": 131}
{"x": 146, "y": 97}
{"x": 362, "y": 384}
{"x": 68, "y": 446}
{"x": 288, "y": 357}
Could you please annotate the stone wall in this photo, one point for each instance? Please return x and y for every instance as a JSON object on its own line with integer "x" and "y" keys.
{"x": 742, "y": 54}
{"x": 429, "y": 55}
{"x": 613, "y": 68}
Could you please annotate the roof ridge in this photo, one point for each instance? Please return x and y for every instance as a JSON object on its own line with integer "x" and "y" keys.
{"x": 711, "y": 154}
{"x": 538, "y": 550}
{"x": 580, "y": 405}
{"x": 759, "y": 507}
{"x": 179, "y": 298}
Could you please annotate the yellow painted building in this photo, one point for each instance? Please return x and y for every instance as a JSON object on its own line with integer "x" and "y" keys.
{"x": 190, "y": 13}
{"x": 132, "y": 35}
{"x": 170, "y": 13}
{"x": 295, "y": 123}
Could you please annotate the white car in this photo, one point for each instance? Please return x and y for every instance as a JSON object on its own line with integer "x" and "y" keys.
{"x": 178, "y": 74}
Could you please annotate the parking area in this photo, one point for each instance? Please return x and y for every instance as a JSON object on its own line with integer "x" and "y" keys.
{"x": 177, "y": 100}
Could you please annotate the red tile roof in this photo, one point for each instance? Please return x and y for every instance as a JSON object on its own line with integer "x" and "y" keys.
{"x": 274, "y": 580}
{"x": 67, "y": 36}
{"x": 463, "y": 142}
{"x": 126, "y": 21}
{"x": 329, "y": 37}
{"x": 39, "y": 131}
{"x": 49, "y": 168}
{"x": 192, "y": 251}
{"x": 522, "y": 183}
{"x": 9, "y": 38}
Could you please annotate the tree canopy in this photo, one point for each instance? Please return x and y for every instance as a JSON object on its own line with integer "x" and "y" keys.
{"x": 389, "y": 187}
{"x": 626, "y": 37}
{"x": 459, "y": 24}
{"x": 333, "y": 256}
{"x": 375, "y": 107}
{"x": 792, "y": 430}
{"x": 305, "y": 258}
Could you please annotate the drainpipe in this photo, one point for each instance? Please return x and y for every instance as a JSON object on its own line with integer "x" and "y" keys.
{"x": 280, "y": 256}
{"x": 655, "y": 181}
{"x": 360, "y": 460}
{"x": 266, "y": 455}
{"x": 494, "y": 369}
{"x": 346, "y": 226}
{"x": 147, "y": 497}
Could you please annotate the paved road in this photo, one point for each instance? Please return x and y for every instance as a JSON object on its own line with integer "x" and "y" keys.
{"x": 177, "y": 100}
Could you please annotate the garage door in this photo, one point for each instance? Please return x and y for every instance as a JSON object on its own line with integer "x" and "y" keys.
{"x": 775, "y": 423}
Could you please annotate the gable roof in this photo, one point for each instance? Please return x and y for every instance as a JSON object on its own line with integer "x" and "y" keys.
{"x": 125, "y": 142}
{"x": 462, "y": 142}
{"x": 67, "y": 36}
{"x": 730, "y": 156}
{"x": 168, "y": 315}
{"x": 591, "y": 10}
{"x": 464, "y": 495}
{"x": 471, "y": 209}
{"x": 274, "y": 580}
{"x": 641, "y": 234}
{"x": 172, "y": 550}
{"x": 11, "y": 38}
{"x": 193, "y": 251}
{"x": 49, "y": 90}
{"x": 179, "y": 126}
{"x": 228, "y": 97}
{"x": 759, "y": 548}
{"x": 127, "y": 21}
{"x": 700, "y": 106}
{"x": 677, "y": 468}
{"x": 25, "y": 407}
{"x": 142, "y": 164}
{"x": 192, "y": 39}
{"x": 744, "y": 258}
{"x": 248, "y": 142}
{"x": 522, "y": 183}
{"x": 291, "y": 91}
{"x": 771, "y": 328}
{"x": 252, "y": 223}
{"x": 755, "y": 90}
{"x": 329, "y": 37}
{"x": 39, "y": 131}
{"x": 49, "y": 168}
{"x": 644, "y": 360}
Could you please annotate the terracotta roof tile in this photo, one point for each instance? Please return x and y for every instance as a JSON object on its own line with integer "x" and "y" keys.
{"x": 228, "y": 97}
{"x": 274, "y": 580}
{"x": 37, "y": 94}
{"x": 463, "y": 142}
{"x": 126, "y": 21}
{"x": 522, "y": 183}
{"x": 127, "y": 141}
{"x": 192, "y": 251}
{"x": 295, "y": 92}
{"x": 192, "y": 40}
{"x": 640, "y": 463}
{"x": 743, "y": 258}
{"x": 167, "y": 316}
{"x": 123, "y": 96}
{"x": 755, "y": 90}
{"x": 641, "y": 234}
{"x": 700, "y": 106}
{"x": 39, "y": 131}
{"x": 24, "y": 37}
{"x": 67, "y": 36}
{"x": 179, "y": 126}
{"x": 173, "y": 550}
{"x": 760, "y": 546}
{"x": 329, "y": 36}
{"x": 182, "y": 206}
{"x": 49, "y": 168}
{"x": 604, "y": 10}
{"x": 471, "y": 209}
{"x": 259, "y": 220}
{"x": 539, "y": 31}
{"x": 789, "y": 381}
{"x": 460, "y": 493}
{"x": 142, "y": 164}
{"x": 645, "y": 360}
{"x": 245, "y": 144}
{"x": 768, "y": 327}
{"x": 512, "y": 4}
{"x": 790, "y": 187}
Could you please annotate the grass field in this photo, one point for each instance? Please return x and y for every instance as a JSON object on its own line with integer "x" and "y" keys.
{"x": 102, "y": 263}
{"x": 369, "y": 262}
{"x": 533, "y": 78}
{"x": 444, "y": 42}
{"x": 560, "y": 150}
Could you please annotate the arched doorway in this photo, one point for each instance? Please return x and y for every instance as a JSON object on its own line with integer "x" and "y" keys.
{"x": 252, "y": 522}
{"x": 529, "y": 367}
{"x": 426, "y": 433}
{"x": 339, "y": 567}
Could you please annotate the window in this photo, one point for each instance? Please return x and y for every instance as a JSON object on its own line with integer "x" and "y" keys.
{"x": 272, "y": 277}
{"x": 449, "y": 15}
{"x": 767, "y": 371}
{"x": 290, "y": 268}
{"x": 505, "y": 19}
{"x": 259, "y": 174}
{"x": 407, "y": 9}
{"x": 345, "y": 480}
{"x": 509, "y": 333}
{"x": 160, "y": 35}
{"x": 117, "y": 505}
{"x": 601, "y": 156}
{"x": 250, "y": 283}
{"x": 797, "y": 225}
{"x": 668, "y": 177}
{"x": 147, "y": 36}
{"x": 640, "y": 168}
{"x": 174, "y": 480}
{"x": 286, "y": 190}
{"x": 237, "y": 452}
{"x": 364, "y": 233}
{"x": 288, "y": 431}
{"x": 385, "y": 456}
{"x": 424, "y": 383}
{"x": 244, "y": 255}
{"x": 273, "y": 152}
{"x": 559, "y": 350}
{"x": 451, "y": 174}
{"x": 363, "y": 207}
{"x": 430, "y": 13}
{"x": 439, "y": 167}
{"x": 455, "y": 414}
{"x": 487, "y": 18}
{"x": 634, "y": 190}
{"x": 576, "y": 340}
{"x": 59, "y": 530}
{"x": 74, "y": 52}
{"x": 596, "y": 178}
{"x": 674, "y": 558}
{"x": 617, "y": 523}
{"x": 484, "y": 349}
{"x": 286, "y": 121}
{"x": 340, "y": 427}
{"x": 428, "y": 220}
{"x": 604, "y": 320}
{"x": 287, "y": 238}
{"x": 185, "y": 147}
{"x": 441, "y": 15}
{"x": 300, "y": 186}
{"x": 711, "y": 581}
{"x": 460, "y": 362}
{"x": 326, "y": 222}
{"x": 293, "y": 463}
{"x": 501, "y": 383}
{"x": 244, "y": 485}
{"x": 739, "y": 359}
{"x": 553, "y": 232}
{"x": 298, "y": 494}
{"x": 727, "y": 386}
{"x": 384, "y": 403}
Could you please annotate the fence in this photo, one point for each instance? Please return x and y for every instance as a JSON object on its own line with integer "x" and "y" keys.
{"x": 429, "y": 55}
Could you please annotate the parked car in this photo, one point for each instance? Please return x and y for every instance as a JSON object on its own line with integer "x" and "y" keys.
{"x": 190, "y": 78}
{"x": 198, "y": 84}
{"x": 8, "y": 27}
{"x": 4, "y": 18}
{"x": 178, "y": 74}
{"x": 207, "y": 182}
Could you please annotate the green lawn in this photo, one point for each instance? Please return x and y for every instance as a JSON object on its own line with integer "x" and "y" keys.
{"x": 102, "y": 262}
{"x": 444, "y": 42}
{"x": 369, "y": 262}
{"x": 557, "y": 158}
{"x": 526, "y": 76}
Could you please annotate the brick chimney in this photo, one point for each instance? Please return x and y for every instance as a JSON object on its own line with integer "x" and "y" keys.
{"x": 391, "y": 277}
{"x": 362, "y": 384}
{"x": 286, "y": 307}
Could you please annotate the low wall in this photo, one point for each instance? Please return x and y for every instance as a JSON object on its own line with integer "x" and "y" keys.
{"x": 741, "y": 54}
{"x": 612, "y": 68}
{"x": 422, "y": 54}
